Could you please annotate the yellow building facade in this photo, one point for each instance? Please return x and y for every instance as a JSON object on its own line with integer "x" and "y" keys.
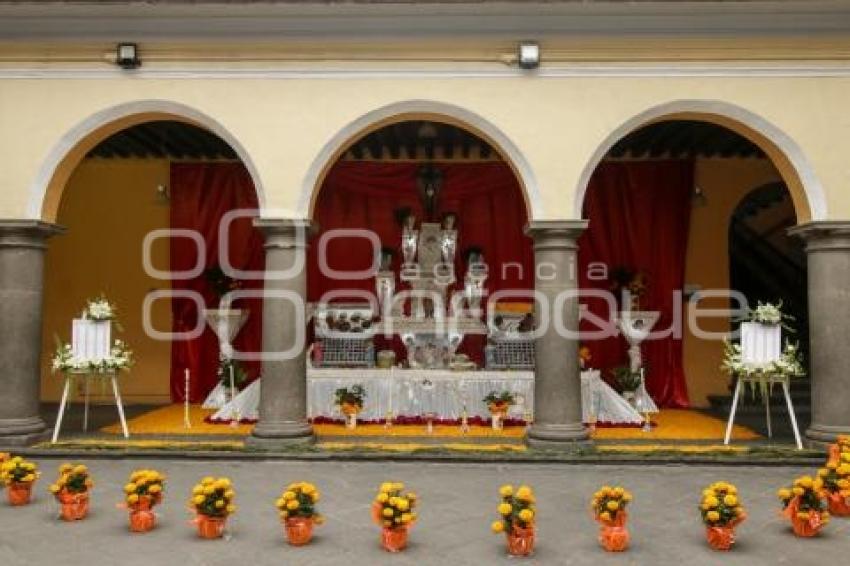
{"x": 290, "y": 85}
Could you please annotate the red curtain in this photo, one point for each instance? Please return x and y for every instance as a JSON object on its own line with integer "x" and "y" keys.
{"x": 639, "y": 214}
{"x": 201, "y": 193}
{"x": 485, "y": 196}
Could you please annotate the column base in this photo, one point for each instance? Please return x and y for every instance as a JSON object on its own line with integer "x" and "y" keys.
{"x": 273, "y": 436}
{"x": 23, "y": 432}
{"x": 558, "y": 436}
{"x": 820, "y": 436}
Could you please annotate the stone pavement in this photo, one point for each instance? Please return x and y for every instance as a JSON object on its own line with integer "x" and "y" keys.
{"x": 458, "y": 503}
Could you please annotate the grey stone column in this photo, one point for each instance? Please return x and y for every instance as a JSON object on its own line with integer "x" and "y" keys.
{"x": 283, "y": 388}
{"x": 557, "y": 379}
{"x": 828, "y": 251}
{"x": 22, "y": 246}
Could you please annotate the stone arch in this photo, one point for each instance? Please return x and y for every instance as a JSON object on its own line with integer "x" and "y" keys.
{"x": 419, "y": 110}
{"x": 49, "y": 184}
{"x": 788, "y": 158}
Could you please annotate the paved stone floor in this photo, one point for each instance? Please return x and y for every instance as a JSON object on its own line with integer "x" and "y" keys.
{"x": 458, "y": 505}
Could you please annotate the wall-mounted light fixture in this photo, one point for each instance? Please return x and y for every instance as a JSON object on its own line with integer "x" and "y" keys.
{"x": 163, "y": 195}
{"x": 528, "y": 55}
{"x": 698, "y": 197}
{"x": 127, "y": 56}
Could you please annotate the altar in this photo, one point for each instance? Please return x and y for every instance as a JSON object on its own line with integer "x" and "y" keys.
{"x": 414, "y": 393}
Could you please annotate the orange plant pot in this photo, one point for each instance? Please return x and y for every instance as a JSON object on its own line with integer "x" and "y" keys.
{"x": 521, "y": 541}
{"x": 806, "y": 528}
{"x": 838, "y": 505}
{"x": 299, "y": 530}
{"x": 349, "y": 409}
{"x": 210, "y": 527}
{"x": 142, "y": 520}
{"x": 73, "y": 506}
{"x": 720, "y": 538}
{"x": 394, "y": 539}
{"x": 19, "y": 493}
{"x": 614, "y": 539}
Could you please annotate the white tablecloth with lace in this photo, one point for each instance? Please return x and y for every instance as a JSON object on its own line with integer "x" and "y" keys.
{"x": 413, "y": 393}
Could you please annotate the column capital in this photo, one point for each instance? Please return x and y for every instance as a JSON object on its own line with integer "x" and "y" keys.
{"x": 823, "y": 234}
{"x": 286, "y": 232}
{"x": 29, "y": 233}
{"x": 568, "y": 229}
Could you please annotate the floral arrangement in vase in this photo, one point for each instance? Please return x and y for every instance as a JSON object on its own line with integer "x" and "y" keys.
{"x": 394, "y": 510}
{"x": 836, "y": 484}
{"x": 297, "y": 509}
{"x": 72, "y": 490}
{"x": 769, "y": 314}
{"x": 18, "y": 475}
{"x": 212, "y": 502}
{"x": 141, "y": 493}
{"x": 805, "y": 505}
{"x": 518, "y": 514}
{"x": 350, "y": 402}
{"x": 498, "y": 403}
{"x": 721, "y": 511}
{"x": 120, "y": 359}
{"x": 99, "y": 310}
{"x": 609, "y": 509}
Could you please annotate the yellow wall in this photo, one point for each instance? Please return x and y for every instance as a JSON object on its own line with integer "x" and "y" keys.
{"x": 556, "y": 123}
{"x": 724, "y": 182}
{"x": 108, "y": 207}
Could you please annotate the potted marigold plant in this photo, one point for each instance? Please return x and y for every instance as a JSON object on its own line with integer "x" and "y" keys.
{"x": 836, "y": 483}
{"x": 498, "y": 403}
{"x": 841, "y": 445}
{"x": 721, "y": 512}
{"x": 18, "y": 475}
{"x": 350, "y": 403}
{"x": 212, "y": 502}
{"x": 609, "y": 508}
{"x": 141, "y": 493}
{"x": 72, "y": 490}
{"x": 805, "y": 506}
{"x": 518, "y": 514}
{"x": 394, "y": 511}
{"x": 297, "y": 509}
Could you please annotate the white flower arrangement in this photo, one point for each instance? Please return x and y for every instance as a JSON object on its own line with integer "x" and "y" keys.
{"x": 788, "y": 366}
{"x": 99, "y": 309}
{"x": 768, "y": 313}
{"x": 120, "y": 358}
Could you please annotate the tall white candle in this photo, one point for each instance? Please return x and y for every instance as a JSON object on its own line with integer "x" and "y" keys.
{"x": 187, "y": 423}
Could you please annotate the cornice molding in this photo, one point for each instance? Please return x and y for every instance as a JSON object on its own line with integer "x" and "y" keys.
{"x": 404, "y": 21}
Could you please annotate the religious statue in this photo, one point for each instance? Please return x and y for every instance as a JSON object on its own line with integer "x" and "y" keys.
{"x": 409, "y": 238}
{"x": 476, "y": 275}
{"x": 448, "y": 238}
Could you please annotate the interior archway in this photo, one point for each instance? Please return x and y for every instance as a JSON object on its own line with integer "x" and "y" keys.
{"x": 420, "y": 110}
{"x": 659, "y": 204}
{"x": 124, "y": 181}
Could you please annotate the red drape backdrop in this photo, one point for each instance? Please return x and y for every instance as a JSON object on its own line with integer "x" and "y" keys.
{"x": 201, "y": 193}
{"x": 485, "y": 196}
{"x": 639, "y": 214}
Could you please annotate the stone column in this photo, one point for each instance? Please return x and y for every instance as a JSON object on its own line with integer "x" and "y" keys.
{"x": 557, "y": 380}
{"x": 22, "y": 246}
{"x": 828, "y": 251}
{"x": 283, "y": 388}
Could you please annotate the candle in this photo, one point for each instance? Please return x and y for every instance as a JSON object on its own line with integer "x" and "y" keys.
{"x": 187, "y": 423}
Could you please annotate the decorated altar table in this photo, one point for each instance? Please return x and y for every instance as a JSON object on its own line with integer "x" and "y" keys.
{"x": 410, "y": 392}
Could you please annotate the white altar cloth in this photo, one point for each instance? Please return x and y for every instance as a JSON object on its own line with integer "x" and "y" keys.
{"x": 405, "y": 392}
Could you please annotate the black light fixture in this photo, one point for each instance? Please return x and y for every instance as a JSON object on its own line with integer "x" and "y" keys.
{"x": 127, "y": 56}
{"x": 528, "y": 55}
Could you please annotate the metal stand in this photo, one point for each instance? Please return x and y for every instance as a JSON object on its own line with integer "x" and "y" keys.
{"x": 69, "y": 377}
{"x": 785, "y": 390}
